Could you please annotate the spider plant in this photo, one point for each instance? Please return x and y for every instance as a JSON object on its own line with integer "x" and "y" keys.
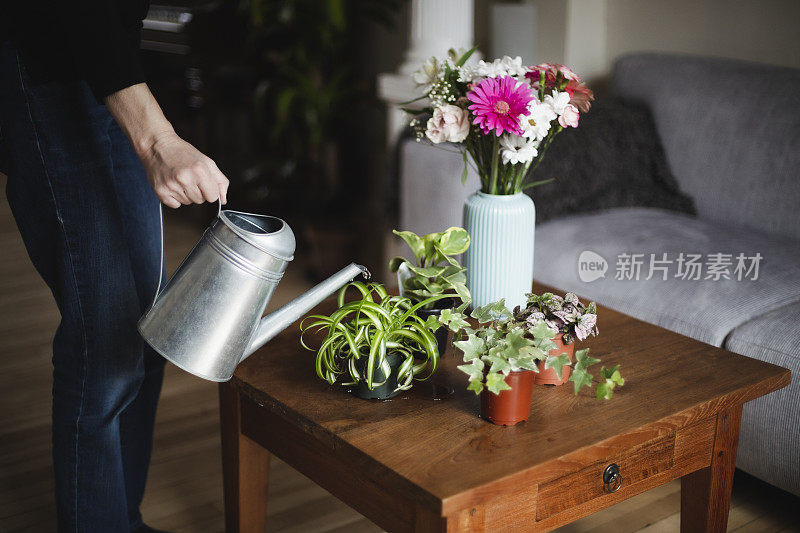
{"x": 361, "y": 335}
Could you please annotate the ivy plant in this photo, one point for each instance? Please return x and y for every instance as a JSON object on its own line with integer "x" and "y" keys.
{"x": 435, "y": 270}
{"x": 497, "y": 346}
{"x": 361, "y": 333}
{"x": 500, "y": 344}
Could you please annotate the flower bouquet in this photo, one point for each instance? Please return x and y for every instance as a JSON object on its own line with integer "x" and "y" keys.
{"x": 503, "y": 113}
{"x": 503, "y": 116}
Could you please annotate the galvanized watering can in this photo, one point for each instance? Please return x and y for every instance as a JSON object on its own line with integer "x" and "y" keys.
{"x": 208, "y": 318}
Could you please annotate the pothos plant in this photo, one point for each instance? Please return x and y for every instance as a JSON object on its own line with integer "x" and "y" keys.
{"x": 499, "y": 345}
{"x": 435, "y": 271}
{"x": 361, "y": 333}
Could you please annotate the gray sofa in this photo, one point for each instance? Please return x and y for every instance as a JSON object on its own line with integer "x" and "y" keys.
{"x": 731, "y": 132}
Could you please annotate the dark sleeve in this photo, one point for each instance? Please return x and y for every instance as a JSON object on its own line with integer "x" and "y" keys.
{"x": 104, "y": 38}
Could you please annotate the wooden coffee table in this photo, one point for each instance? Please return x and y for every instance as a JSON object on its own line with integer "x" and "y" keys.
{"x": 419, "y": 464}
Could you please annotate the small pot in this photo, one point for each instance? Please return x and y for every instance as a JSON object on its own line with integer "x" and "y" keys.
{"x": 381, "y": 392}
{"x": 548, "y": 376}
{"x": 510, "y": 406}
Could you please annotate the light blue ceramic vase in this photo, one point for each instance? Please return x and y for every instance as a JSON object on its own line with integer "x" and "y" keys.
{"x": 499, "y": 260}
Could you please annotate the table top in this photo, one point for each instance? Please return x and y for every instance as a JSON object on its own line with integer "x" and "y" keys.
{"x": 440, "y": 450}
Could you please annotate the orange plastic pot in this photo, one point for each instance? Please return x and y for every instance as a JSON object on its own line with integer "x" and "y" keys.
{"x": 510, "y": 407}
{"x": 548, "y": 376}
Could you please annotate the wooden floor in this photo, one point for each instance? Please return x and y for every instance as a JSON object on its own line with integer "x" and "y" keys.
{"x": 184, "y": 491}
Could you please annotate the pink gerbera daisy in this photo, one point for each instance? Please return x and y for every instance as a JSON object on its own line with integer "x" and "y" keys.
{"x": 497, "y": 104}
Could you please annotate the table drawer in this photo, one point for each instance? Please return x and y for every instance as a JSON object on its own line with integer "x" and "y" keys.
{"x": 635, "y": 465}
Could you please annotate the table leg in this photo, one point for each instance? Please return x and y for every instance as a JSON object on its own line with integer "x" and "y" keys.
{"x": 706, "y": 493}
{"x": 465, "y": 521}
{"x": 245, "y": 469}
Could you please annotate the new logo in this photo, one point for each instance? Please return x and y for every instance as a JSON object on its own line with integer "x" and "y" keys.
{"x": 591, "y": 266}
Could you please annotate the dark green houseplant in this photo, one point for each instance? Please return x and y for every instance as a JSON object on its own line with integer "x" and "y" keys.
{"x": 434, "y": 272}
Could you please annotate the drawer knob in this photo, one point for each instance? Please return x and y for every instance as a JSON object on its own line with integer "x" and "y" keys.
{"x": 612, "y": 479}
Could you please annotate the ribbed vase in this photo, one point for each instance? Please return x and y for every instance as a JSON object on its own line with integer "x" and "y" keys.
{"x": 499, "y": 260}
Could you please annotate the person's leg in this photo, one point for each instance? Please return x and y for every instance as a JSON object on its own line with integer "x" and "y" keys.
{"x": 62, "y": 193}
{"x": 140, "y": 225}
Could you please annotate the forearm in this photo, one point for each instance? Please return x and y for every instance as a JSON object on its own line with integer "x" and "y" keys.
{"x": 177, "y": 171}
{"x": 138, "y": 114}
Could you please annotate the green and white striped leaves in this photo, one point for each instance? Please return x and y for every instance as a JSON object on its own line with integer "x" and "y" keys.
{"x": 367, "y": 329}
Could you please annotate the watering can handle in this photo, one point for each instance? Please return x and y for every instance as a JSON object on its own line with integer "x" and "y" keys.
{"x": 161, "y": 259}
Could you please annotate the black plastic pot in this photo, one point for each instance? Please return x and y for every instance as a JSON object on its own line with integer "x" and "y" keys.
{"x": 440, "y": 388}
{"x": 441, "y": 333}
{"x": 381, "y": 392}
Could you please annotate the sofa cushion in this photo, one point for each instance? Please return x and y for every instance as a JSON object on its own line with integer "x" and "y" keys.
{"x": 769, "y": 442}
{"x": 704, "y": 309}
{"x": 731, "y": 131}
{"x": 614, "y": 159}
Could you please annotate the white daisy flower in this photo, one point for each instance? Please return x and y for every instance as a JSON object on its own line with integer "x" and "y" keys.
{"x": 536, "y": 124}
{"x": 515, "y": 149}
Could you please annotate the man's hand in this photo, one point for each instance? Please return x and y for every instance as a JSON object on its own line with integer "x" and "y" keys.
{"x": 178, "y": 172}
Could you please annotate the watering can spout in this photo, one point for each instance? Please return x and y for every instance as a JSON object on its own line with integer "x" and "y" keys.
{"x": 282, "y": 318}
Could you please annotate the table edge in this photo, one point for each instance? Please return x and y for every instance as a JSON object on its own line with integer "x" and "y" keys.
{"x": 448, "y": 503}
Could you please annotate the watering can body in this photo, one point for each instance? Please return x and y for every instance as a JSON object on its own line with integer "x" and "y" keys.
{"x": 208, "y": 317}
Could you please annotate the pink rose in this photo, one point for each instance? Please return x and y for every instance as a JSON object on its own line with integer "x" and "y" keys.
{"x": 449, "y": 123}
{"x": 569, "y": 118}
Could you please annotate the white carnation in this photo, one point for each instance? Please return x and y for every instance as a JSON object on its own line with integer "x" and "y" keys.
{"x": 557, "y": 101}
{"x": 469, "y": 74}
{"x": 490, "y": 70}
{"x": 569, "y": 118}
{"x": 513, "y": 67}
{"x": 506, "y": 66}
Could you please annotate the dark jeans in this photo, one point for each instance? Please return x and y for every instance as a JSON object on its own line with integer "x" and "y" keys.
{"x": 89, "y": 221}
